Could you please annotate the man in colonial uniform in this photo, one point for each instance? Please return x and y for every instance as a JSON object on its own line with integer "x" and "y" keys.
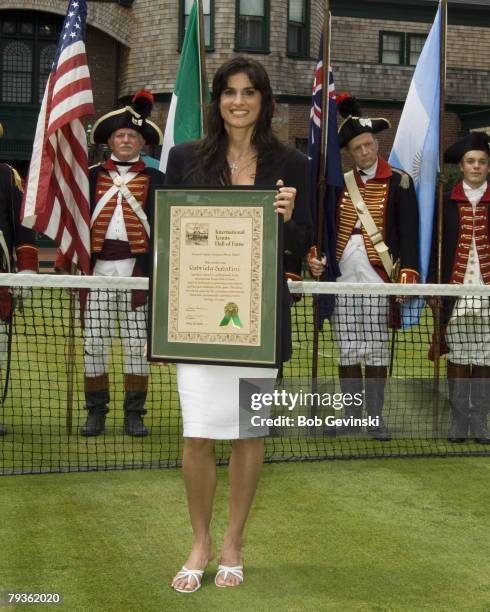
{"x": 466, "y": 260}
{"x": 13, "y": 237}
{"x": 121, "y": 199}
{"x": 376, "y": 241}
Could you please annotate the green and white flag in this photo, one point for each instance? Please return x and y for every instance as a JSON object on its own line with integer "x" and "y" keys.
{"x": 184, "y": 121}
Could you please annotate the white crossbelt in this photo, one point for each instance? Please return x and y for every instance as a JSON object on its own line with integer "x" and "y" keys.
{"x": 375, "y": 236}
{"x": 5, "y": 250}
{"x": 120, "y": 187}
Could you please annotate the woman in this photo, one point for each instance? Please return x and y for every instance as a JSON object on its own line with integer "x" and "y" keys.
{"x": 239, "y": 149}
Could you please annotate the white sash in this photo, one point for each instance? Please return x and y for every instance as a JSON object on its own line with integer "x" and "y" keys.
{"x": 5, "y": 250}
{"x": 120, "y": 187}
{"x": 375, "y": 236}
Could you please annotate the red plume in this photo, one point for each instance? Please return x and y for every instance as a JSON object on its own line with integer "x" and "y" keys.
{"x": 348, "y": 105}
{"x": 342, "y": 96}
{"x": 142, "y": 102}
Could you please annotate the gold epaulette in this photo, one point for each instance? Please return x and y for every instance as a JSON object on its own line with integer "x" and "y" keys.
{"x": 405, "y": 179}
{"x": 17, "y": 179}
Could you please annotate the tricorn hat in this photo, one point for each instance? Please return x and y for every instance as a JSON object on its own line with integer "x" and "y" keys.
{"x": 474, "y": 141}
{"x": 354, "y": 123}
{"x": 134, "y": 117}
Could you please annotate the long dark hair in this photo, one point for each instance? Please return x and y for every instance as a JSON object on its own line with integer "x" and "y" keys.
{"x": 211, "y": 166}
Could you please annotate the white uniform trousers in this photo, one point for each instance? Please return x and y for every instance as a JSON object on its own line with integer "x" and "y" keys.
{"x": 360, "y": 322}
{"x": 468, "y": 334}
{"x": 103, "y": 310}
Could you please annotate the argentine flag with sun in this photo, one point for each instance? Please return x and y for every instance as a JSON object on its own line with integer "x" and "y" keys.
{"x": 416, "y": 146}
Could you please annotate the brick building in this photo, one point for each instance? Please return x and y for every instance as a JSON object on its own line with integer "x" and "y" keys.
{"x": 376, "y": 43}
{"x": 135, "y": 43}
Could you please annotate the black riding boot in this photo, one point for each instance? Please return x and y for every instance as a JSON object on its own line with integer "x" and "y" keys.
{"x": 134, "y": 405}
{"x": 480, "y": 402}
{"x": 375, "y": 396}
{"x": 96, "y": 403}
{"x": 459, "y": 385}
{"x": 351, "y": 386}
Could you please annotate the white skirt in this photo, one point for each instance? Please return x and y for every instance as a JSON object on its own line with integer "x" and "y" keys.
{"x": 209, "y": 399}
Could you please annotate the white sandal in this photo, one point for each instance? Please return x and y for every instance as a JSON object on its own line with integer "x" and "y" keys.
{"x": 188, "y": 573}
{"x": 236, "y": 571}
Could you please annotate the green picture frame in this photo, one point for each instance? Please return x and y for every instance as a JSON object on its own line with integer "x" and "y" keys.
{"x": 216, "y": 277}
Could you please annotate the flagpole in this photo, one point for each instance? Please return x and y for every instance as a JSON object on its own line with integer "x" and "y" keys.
{"x": 70, "y": 360}
{"x": 324, "y": 129}
{"x": 441, "y": 180}
{"x": 321, "y": 181}
{"x": 202, "y": 68}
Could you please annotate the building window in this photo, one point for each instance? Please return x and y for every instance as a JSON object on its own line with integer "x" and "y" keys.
{"x": 17, "y": 73}
{"x": 415, "y": 44}
{"x": 301, "y": 144}
{"x": 391, "y": 50}
{"x": 298, "y": 18}
{"x": 208, "y": 14}
{"x": 27, "y": 50}
{"x": 252, "y": 25}
{"x": 399, "y": 48}
{"x": 46, "y": 59}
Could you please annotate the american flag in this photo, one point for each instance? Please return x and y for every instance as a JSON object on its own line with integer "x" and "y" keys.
{"x": 56, "y": 198}
{"x": 333, "y": 166}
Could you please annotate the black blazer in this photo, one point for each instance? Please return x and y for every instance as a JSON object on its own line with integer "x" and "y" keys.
{"x": 292, "y": 167}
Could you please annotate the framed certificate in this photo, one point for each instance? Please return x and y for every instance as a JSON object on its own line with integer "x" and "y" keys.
{"x": 216, "y": 279}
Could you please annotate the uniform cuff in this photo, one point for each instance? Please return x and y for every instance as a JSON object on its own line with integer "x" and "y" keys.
{"x": 408, "y": 276}
{"x": 27, "y": 257}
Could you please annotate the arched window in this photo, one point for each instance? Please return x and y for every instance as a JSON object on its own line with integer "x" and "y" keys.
{"x": 17, "y": 72}
{"x": 46, "y": 58}
{"x": 28, "y": 44}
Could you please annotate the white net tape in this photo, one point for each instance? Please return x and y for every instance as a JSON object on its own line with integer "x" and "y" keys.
{"x": 303, "y": 287}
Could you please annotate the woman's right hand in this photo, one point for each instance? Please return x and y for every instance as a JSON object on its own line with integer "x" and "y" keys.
{"x": 284, "y": 201}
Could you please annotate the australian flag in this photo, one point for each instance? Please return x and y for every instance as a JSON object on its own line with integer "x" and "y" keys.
{"x": 332, "y": 171}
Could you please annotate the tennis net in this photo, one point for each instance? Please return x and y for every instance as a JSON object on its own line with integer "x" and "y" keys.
{"x": 43, "y": 357}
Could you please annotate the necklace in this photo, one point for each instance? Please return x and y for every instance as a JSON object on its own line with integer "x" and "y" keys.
{"x": 235, "y": 164}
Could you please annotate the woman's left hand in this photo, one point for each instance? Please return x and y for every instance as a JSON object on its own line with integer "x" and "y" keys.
{"x": 284, "y": 203}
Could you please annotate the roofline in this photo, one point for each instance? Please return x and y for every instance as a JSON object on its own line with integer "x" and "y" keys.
{"x": 422, "y": 11}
